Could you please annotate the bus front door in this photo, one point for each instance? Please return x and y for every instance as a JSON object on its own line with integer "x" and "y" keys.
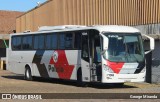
{"x": 95, "y": 59}
{"x": 85, "y": 65}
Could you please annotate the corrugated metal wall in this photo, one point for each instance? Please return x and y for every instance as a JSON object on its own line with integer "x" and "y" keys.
{"x": 90, "y": 12}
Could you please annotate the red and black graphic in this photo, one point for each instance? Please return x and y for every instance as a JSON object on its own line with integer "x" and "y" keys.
{"x": 60, "y": 62}
{"x": 140, "y": 67}
{"x": 120, "y": 67}
{"x": 41, "y": 67}
{"x": 116, "y": 67}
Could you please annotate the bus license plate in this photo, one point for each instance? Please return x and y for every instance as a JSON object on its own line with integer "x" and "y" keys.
{"x": 127, "y": 80}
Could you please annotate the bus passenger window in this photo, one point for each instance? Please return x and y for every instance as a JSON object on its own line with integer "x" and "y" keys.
{"x": 51, "y": 41}
{"x": 77, "y": 41}
{"x": 62, "y": 41}
{"x": 54, "y": 41}
{"x": 69, "y": 41}
{"x": 27, "y": 43}
{"x": 66, "y": 41}
{"x": 36, "y": 42}
{"x": 16, "y": 43}
{"x": 39, "y": 42}
{"x": 48, "y": 41}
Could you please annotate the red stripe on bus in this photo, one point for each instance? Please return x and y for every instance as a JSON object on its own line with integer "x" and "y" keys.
{"x": 62, "y": 66}
{"x": 115, "y": 66}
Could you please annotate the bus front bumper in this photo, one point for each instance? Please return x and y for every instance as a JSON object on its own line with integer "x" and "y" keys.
{"x": 122, "y": 78}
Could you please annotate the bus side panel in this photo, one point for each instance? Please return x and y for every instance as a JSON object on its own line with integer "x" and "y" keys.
{"x": 15, "y": 64}
{"x": 61, "y": 63}
{"x": 10, "y": 62}
{"x": 17, "y": 60}
{"x": 49, "y": 67}
{"x": 73, "y": 57}
{"x": 34, "y": 69}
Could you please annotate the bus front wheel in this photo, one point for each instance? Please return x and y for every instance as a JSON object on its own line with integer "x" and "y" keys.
{"x": 118, "y": 84}
{"x": 28, "y": 74}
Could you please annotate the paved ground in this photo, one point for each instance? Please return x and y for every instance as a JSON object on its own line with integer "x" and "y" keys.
{"x": 12, "y": 83}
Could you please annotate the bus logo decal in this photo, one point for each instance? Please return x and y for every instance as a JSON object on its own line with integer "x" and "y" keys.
{"x": 55, "y": 56}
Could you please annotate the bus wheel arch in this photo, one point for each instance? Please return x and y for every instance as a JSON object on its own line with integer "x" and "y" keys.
{"x": 79, "y": 74}
{"x": 80, "y": 82}
{"x": 28, "y": 73}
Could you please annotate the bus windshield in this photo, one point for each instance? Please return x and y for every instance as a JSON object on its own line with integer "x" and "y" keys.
{"x": 124, "y": 47}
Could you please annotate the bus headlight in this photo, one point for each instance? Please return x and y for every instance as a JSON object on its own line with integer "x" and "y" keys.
{"x": 108, "y": 69}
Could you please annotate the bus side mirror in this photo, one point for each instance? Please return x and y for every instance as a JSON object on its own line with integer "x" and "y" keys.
{"x": 152, "y": 43}
{"x": 105, "y": 43}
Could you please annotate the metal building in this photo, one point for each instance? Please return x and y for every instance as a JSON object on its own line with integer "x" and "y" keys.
{"x": 90, "y": 12}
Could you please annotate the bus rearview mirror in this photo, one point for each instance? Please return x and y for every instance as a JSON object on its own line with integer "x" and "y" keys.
{"x": 152, "y": 43}
{"x": 105, "y": 43}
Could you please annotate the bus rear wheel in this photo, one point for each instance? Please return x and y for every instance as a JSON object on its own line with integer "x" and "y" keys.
{"x": 28, "y": 74}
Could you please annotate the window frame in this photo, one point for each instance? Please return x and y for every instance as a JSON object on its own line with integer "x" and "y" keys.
{"x": 74, "y": 47}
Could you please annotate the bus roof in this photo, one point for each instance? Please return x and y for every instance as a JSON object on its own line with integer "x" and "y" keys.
{"x": 100, "y": 28}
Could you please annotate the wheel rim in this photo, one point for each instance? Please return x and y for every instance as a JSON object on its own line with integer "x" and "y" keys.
{"x": 27, "y": 74}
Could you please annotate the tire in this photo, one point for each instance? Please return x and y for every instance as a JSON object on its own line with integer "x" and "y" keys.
{"x": 80, "y": 83}
{"x": 28, "y": 74}
{"x": 119, "y": 84}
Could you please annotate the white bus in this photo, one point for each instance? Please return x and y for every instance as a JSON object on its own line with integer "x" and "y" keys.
{"x": 105, "y": 54}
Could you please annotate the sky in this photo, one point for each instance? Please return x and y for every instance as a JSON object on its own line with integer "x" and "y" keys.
{"x": 18, "y": 5}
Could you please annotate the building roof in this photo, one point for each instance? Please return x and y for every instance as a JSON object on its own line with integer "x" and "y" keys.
{"x": 8, "y": 21}
{"x": 4, "y": 36}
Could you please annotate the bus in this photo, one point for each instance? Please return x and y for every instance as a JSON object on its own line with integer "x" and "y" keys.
{"x": 98, "y": 53}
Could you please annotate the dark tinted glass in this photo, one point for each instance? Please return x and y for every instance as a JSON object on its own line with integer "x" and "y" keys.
{"x": 62, "y": 41}
{"x": 54, "y": 41}
{"x": 69, "y": 41}
{"x": 48, "y": 41}
{"x": 77, "y": 41}
{"x": 16, "y": 43}
{"x": 39, "y": 42}
{"x": 27, "y": 43}
{"x": 66, "y": 41}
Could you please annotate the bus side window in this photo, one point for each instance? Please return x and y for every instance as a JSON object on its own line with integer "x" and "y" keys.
{"x": 48, "y": 41}
{"x": 69, "y": 41}
{"x": 54, "y": 41}
{"x": 16, "y": 43}
{"x": 39, "y": 42}
{"x": 61, "y": 41}
{"x": 77, "y": 41}
{"x": 51, "y": 41}
{"x": 27, "y": 43}
{"x": 66, "y": 41}
{"x": 13, "y": 43}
